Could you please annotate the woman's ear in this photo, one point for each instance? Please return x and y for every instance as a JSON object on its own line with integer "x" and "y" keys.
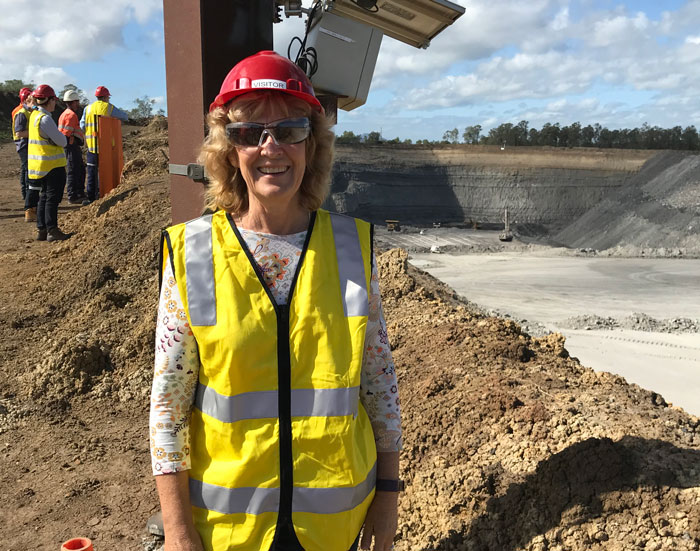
{"x": 233, "y": 158}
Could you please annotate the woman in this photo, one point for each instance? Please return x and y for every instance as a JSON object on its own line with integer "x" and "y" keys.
{"x": 274, "y": 406}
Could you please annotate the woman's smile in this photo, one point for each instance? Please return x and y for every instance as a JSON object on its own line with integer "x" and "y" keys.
{"x": 273, "y": 169}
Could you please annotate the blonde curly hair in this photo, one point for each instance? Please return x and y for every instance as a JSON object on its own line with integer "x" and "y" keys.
{"x": 227, "y": 190}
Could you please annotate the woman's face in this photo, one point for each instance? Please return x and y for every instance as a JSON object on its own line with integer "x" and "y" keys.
{"x": 272, "y": 172}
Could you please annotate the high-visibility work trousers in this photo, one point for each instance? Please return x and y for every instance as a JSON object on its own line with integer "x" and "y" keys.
{"x": 23, "y": 171}
{"x": 30, "y": 188}
{"x": 75, "y": 171}
{"x": 51, "y": 195}
{"x": 93, "y": 184}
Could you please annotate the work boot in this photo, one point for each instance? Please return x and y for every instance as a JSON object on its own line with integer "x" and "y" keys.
{"x": 30, "y": 214}
{"x": 75, "y": 200}
{"x": 86, "y": 202}
{"x": 41, "y": 235}
{"x": 55, "y": 234}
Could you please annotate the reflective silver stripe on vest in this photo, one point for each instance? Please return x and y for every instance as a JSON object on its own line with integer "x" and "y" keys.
{"x": 40, "y": 142}
{"x": 254, "y": 501}
{"x": 306, "y": 402}
{"x": 199, "y": 269}
{"x": 325, "y": 402}
{"x": 351, "y": 267}
{"x": 229, "y": 501}
{"x": 327, "y": 501}
{"x": 39, "y": 173}
{"x": 229, "y": 409}
{"x": 46, "y": 157}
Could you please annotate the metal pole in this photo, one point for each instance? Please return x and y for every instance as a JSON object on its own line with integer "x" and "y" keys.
{"x": 203, "y": 40}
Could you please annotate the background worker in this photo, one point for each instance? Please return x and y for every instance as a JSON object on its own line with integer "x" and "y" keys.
{"x": 47, "y": 163}
{"x": 20, "y": 134}
{"x": 69, "y": 126}
{"x": 88, "y": 123}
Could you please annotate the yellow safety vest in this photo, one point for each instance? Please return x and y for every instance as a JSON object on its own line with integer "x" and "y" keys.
{"x": 19, "y": 109}
{"x": 42, "y": 155}
{"x": 92, "y": 112}
{"x": 280, "y": 441}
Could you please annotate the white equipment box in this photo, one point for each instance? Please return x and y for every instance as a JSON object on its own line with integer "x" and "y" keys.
{"x": 346, "y": 51}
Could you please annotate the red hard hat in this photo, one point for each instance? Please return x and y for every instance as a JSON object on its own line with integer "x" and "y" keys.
{"x": 101, "y": 91}
{"x": 266, "y": 70}
{"x": 44, "y": 91}
{"x": 24, "y": 93}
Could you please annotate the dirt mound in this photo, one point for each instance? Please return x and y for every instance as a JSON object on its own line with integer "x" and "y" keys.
{"x": 95, "y": 292}
{"x": 146, "y": 149}
{"x": 656, "y": 213}
{"x": 509, "y": 443}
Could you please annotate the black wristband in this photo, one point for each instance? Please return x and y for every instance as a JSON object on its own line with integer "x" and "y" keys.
{"x": 388, "y": 485}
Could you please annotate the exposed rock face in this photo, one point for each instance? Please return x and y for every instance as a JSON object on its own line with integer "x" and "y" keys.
{"x": 657, "y": 209}
{"x": 463, "y": 184}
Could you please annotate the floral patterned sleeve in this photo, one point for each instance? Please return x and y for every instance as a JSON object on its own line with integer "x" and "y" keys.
{"x": 174, "y": 382}
{"x": 378, "y": 390}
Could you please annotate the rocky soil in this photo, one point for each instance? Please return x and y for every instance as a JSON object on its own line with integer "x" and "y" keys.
{"x": 635, "y": 322}
{"x": 509, "y": 443}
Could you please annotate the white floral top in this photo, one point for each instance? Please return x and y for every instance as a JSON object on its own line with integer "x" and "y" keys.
{"x": 177, "y": 358}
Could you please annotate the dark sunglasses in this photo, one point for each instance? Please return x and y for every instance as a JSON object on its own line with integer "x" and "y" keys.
{"x": 285, "y": 131}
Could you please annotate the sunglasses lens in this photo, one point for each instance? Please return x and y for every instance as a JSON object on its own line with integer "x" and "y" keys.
{"x": 244, "y": 134}
{"x": 291, "y": 134}
{"x": 288, "y": 131}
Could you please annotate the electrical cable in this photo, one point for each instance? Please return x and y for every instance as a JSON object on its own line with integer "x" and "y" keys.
{"x": 306, "y": 58}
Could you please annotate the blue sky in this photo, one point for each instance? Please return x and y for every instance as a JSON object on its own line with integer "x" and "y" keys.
{"x": 616, "y": 63}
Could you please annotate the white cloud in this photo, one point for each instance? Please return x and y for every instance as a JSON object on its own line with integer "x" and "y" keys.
{"x": 480, "y": 32}
{"x": 561, "y": 20}
{"x": 505, "y": 79}
{"x": 617, "y": 30}
{"x": 39, "y": 74}
{"x": 48, "y": 34}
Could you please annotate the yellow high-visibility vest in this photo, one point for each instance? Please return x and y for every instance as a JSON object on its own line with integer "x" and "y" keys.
{"x": 92, "y": 112}
{"x": 19, "y": 109}
{"x": 42, "y": 155}
{"x": 279, "y": 439}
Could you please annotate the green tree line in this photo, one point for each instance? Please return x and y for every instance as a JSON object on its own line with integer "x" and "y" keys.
{"x": 576, "y": 135}
{"x": 554, "y": 135}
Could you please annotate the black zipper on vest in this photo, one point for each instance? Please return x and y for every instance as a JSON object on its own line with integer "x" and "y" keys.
{"x": 285, "y": 538}
{"x": 284, "y": 403}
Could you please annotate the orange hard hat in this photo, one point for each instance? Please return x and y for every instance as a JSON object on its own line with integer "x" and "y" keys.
{"x": 24, "y": 93}
{"x": 101, "y": 92}
{"x": 266, "y": 70}
{"x": 44, "y": 91}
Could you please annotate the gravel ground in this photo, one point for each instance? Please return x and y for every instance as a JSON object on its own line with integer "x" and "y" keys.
{"x": 636, "y": 322}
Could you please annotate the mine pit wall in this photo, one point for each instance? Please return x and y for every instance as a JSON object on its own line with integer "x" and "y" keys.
{"x": 474, "y": 184}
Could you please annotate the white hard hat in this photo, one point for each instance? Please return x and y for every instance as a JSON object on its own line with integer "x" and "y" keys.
{"x": 71, "y": 95}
